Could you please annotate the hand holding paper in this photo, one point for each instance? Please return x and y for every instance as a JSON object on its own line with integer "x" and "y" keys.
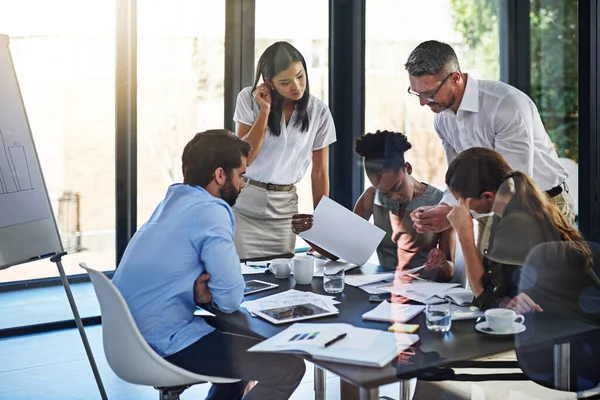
{"x": 341, "y": 232}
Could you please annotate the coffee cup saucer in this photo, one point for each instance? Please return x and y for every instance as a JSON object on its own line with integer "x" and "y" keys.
{"x": 484, "y": 328}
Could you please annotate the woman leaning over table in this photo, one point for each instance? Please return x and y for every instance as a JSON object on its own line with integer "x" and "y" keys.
{"x": 524, "y": 216}
{"x": 287, "y": 128}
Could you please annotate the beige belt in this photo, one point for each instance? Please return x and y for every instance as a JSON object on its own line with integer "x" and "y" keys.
{"x": 271, "y": 186}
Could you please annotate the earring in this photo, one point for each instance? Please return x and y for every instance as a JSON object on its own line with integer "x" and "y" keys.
{"x": 272, "y": 87}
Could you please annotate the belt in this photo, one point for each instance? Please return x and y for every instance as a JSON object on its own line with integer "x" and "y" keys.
{"x": 555, "y": 191}
{"x": 271, "y": 186}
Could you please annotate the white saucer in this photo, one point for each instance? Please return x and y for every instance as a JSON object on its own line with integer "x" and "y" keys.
{"x": 484, "y": 328}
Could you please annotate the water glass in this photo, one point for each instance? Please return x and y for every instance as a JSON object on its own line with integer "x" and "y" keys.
{"x": 438, "y": 317}
{"x": 333, "y": 278}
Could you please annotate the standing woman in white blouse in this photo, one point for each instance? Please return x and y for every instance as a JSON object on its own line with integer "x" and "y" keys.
{"x": 287, "y": 128}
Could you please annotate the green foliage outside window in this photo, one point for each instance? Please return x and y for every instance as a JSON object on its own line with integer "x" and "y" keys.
{"x": 553, "y": 59}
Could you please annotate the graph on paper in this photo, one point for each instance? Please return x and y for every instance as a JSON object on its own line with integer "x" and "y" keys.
{"x": 21, "y": 189}
{"x": 15, "y": 176}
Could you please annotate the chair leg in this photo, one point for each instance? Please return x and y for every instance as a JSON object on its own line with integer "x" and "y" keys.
{"x": 171, "y": 393}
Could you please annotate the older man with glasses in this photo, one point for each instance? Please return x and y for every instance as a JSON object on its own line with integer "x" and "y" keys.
{"x": 482, "y": 113}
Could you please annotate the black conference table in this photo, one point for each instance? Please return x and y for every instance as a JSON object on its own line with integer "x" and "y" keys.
{"x": 463, "y": 342}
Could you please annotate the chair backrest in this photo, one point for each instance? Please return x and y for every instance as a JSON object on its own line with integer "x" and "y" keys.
{"x": 127, "y": 352}
{"x": 554, "y": 277}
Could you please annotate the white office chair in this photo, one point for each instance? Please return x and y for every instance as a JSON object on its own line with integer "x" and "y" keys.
{"x": 127, "y": 352}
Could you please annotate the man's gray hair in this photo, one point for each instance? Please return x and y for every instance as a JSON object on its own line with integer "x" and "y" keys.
{"x": 431, "y": 58}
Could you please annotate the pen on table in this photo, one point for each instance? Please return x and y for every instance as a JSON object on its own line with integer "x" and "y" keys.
{"x": 332, "y": 341}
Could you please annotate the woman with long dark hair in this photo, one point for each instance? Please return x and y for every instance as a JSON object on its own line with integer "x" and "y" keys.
{"x": 524, "y": 217}
{"x": 287, "y": 128}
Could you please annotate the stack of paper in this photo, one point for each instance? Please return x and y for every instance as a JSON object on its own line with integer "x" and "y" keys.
{"x": 290, "y": 298}
{"x": 392, "y": 312}
{"x": 358, "y": 280}
{"x": 420, "y": 291}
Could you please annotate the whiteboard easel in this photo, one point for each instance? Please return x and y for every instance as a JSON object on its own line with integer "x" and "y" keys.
{"x": 28, "y": 229}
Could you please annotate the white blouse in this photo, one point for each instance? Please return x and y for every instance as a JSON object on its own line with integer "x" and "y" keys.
{"x": 284, "y": 159}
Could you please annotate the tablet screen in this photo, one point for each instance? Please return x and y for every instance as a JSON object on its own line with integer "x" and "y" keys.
{"x": 254, "y": 286}
{"x": 295, "y": 312}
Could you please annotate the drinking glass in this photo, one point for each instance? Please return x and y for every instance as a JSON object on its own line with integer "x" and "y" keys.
{"x": 333, "y": 278}
{"x": 438, "y": 316}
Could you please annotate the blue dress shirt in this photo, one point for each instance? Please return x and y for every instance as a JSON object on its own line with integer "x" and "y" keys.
{"x": 189, "y": 233}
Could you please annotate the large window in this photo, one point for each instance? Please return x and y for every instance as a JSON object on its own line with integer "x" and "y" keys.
{"x": 66, "y": 70}
{"x": 287, "y": 20}
{"x": 393, "y": 30}
{"x": 180, "y": 88}
{"x": 554, "y": 78}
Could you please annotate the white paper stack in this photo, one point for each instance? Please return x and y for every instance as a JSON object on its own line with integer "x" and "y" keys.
{"x": 392, "y": 312}
{"x": 290, "y": 298}
{"x": 358, "y": 280}
{"x": 420, "y": 291}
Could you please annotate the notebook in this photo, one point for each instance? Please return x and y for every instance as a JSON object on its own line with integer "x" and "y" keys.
{"x": 351, "y": 345}
{"x": 390, "y": 312}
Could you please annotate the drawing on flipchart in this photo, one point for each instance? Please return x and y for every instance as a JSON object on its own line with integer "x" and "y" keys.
{"x": 14, "y": 167}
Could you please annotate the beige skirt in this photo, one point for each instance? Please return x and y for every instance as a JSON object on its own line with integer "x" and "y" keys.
{"x": 263, "y": 222}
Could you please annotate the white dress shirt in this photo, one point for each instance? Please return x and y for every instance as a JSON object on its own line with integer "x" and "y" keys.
{"x": 284, "y": 159}
{"x": 500, "y": 117}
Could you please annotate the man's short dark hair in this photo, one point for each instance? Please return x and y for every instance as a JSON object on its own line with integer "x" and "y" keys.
{"x": 382, "y": 150}
{"x": 431, "y": 58}
{"x": 210, "y": 150}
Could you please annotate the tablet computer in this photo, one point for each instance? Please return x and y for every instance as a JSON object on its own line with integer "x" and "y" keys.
{"x": 294, "y": 313}
{"x": 254, "y": 286}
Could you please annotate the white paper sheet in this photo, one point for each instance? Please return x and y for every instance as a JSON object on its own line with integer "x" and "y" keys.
{"x": 343, "y": 233}
{"x": 420, "y": 291}
{"x": 252, "y": 269}
{"x": 320, "y": 264}
{"x": 376, "y": 288}
{"x": 391, "y": 312}
{"x": 290, "y": 297}
{"x": 458, "y": 296}
{"x": 366, "y": 279}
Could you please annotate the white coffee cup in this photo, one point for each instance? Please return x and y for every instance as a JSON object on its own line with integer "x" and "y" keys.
{"x": 280, "y": 267}
{"x": 502, "y": 319}
{"x": 304, "y": 268}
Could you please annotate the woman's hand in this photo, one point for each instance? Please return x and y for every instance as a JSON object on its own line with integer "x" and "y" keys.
{"x": 460, "y": 218}
{"x": 435, "y": 259}
{"x": 262, "y": 95}
{"x": 301, "y": 222}
{"x": 522, "y": 304}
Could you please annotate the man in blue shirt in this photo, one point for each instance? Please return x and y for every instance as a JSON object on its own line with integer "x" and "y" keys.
{"x": 185, "y": 255}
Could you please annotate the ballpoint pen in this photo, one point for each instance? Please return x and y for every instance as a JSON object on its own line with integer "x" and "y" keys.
{"x": 338, "y": 338}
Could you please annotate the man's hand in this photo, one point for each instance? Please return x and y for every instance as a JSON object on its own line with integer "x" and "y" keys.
{"x": 522, "y": 304}
{"x": 301, "y": 222}
{"x": 431, "y": 218}
{"x": 435, "y": 259}
{"x": 202, "y": 293}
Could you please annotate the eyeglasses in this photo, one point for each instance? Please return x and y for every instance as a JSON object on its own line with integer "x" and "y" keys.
{"x": 430, "y": 99}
